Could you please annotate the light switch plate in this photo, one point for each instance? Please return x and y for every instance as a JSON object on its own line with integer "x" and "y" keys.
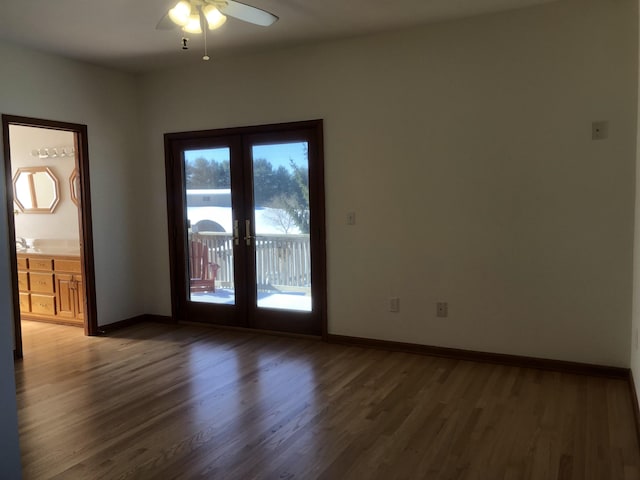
{"x": 394, "y": 304}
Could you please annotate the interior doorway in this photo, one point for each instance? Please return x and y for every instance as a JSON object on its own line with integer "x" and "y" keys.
{"x": 49, "y": 216}
{"x": 246, "y": 217}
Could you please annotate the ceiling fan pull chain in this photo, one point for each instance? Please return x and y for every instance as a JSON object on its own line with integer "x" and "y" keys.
{"x": 206, "y": 27}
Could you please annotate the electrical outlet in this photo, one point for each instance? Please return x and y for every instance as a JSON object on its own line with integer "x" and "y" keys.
{"x": 599, "y": 130}
{"x": 351, "y": 218}
{"x": 394, "y": 304}
{"x": 442, "y": 309}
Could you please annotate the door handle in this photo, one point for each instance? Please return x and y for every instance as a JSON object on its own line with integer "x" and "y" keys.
{"x": 247, "y": 231}
{"x": 236, "y": 233}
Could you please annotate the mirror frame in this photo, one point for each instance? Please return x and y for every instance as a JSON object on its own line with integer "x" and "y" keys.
{"x": 74, "y": 186}
{"x": 56, "y": 185}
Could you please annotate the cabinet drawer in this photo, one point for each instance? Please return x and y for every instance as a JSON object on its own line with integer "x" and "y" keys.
{"x": 41, "y": 282}
{"x": 25, "y": 302}
{"x": 42, "y": 264}
{"x": 71, "y": 266}
{"x": 22, "y": 263}
{"x": 23, "y": 281}
{"x": 45, "y": 304}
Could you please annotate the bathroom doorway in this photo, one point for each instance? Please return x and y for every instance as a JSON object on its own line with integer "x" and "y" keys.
{"x": 49, "y": 216}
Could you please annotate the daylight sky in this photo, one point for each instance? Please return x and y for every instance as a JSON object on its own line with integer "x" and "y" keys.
{"x": 278, "y": 154}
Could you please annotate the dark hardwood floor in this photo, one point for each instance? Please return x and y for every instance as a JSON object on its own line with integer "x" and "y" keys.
{"x": 161, "y": 402}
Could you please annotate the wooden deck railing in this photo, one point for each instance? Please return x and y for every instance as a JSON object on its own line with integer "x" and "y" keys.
{"x": 280, "y": 259}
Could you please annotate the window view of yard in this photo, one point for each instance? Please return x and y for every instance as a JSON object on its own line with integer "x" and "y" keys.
{"x": 281, "y": 216}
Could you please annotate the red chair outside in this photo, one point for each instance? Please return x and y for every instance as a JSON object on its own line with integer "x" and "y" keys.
{"x": 202, "y": 271}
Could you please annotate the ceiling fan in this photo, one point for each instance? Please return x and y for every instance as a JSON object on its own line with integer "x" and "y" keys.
{"x": 196, "y": 16}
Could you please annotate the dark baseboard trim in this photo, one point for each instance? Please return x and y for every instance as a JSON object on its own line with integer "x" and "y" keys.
{"x": 276, "y": 333}
{"x": 634, "y": 400}
{"x": 453, "y": 353}
{"x": 148, "y": 317}
{"x": 112, "y": 327}
{"x": 474, "y": 356}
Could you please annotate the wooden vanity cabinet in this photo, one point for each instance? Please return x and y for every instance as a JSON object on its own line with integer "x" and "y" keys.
{"x": 51, "y": 288}
{"x": 69, "y": 294}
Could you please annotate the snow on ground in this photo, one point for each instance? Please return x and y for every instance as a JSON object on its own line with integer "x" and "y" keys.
{"x": 283, "y": 300}
{"x": 266, "y": 218}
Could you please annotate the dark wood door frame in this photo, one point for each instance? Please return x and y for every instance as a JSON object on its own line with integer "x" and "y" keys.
{"x": 84, "y": 216}
{"x": 175, "y": 141}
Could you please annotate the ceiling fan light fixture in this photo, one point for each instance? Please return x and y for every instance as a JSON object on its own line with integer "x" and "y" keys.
{"x": 181, "y": 13}
{"x": 193, "y": 24}
{"x": 215, "y": 19}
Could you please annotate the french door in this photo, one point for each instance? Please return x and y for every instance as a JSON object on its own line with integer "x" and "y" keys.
{"x": 246, "y": 226}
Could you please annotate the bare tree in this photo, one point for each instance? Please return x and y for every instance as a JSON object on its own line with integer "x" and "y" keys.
{"x": 279, "y": 214}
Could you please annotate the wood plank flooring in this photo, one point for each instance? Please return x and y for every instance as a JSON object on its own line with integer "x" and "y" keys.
{"x": 161, "y": 402}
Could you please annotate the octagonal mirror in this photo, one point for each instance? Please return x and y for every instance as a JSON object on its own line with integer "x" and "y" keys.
{"x": 74, "y": 185}
{"x": 36, "y": 190}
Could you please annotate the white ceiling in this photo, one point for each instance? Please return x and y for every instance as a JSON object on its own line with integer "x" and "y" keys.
{"x": 122, "y": 33}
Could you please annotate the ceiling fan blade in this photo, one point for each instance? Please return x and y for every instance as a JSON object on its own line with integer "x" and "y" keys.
{"x": 165, "y": 23}
{"x": 247, "y": 13}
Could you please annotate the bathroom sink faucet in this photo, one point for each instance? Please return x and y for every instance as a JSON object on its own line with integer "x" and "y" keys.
{"x": 20, "y": 241}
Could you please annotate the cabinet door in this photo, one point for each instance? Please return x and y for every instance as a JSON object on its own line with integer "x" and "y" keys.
{"x": 22, "y": 263}
{"x": 41, "y": 282}
{"x": 25, "y": 302}
{"x": 65, "y": 292}
{"x": 41, "y": 264}
{"x": 23, "y": 281}
{"x": 65, "y": 265}
{"x": 79, "y": 297}
{"x": 43, "y": 304}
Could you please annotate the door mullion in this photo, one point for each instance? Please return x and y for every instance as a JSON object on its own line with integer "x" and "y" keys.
{"x": 238, "y": 183}
{"x": 249, "y": 247}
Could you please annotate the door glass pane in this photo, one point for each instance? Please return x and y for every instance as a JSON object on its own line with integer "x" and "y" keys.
{"x": 210, "y": 221}
{"x": 281, "y": 217}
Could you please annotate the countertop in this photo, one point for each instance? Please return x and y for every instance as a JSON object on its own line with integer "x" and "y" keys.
{"x": 50, "y": 251}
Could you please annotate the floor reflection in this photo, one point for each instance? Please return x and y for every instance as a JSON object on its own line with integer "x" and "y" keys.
{"x": 249, "y": 395}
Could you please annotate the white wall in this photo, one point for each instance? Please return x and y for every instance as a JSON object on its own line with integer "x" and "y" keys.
{"x": 63, "y": 222}
{"x": 10, "y": 468}
{"x": 465, "y": 149}
{"x": 48, "y": 87}
{"x": 635, "y": 326}
{"x": 475, "y": 133}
